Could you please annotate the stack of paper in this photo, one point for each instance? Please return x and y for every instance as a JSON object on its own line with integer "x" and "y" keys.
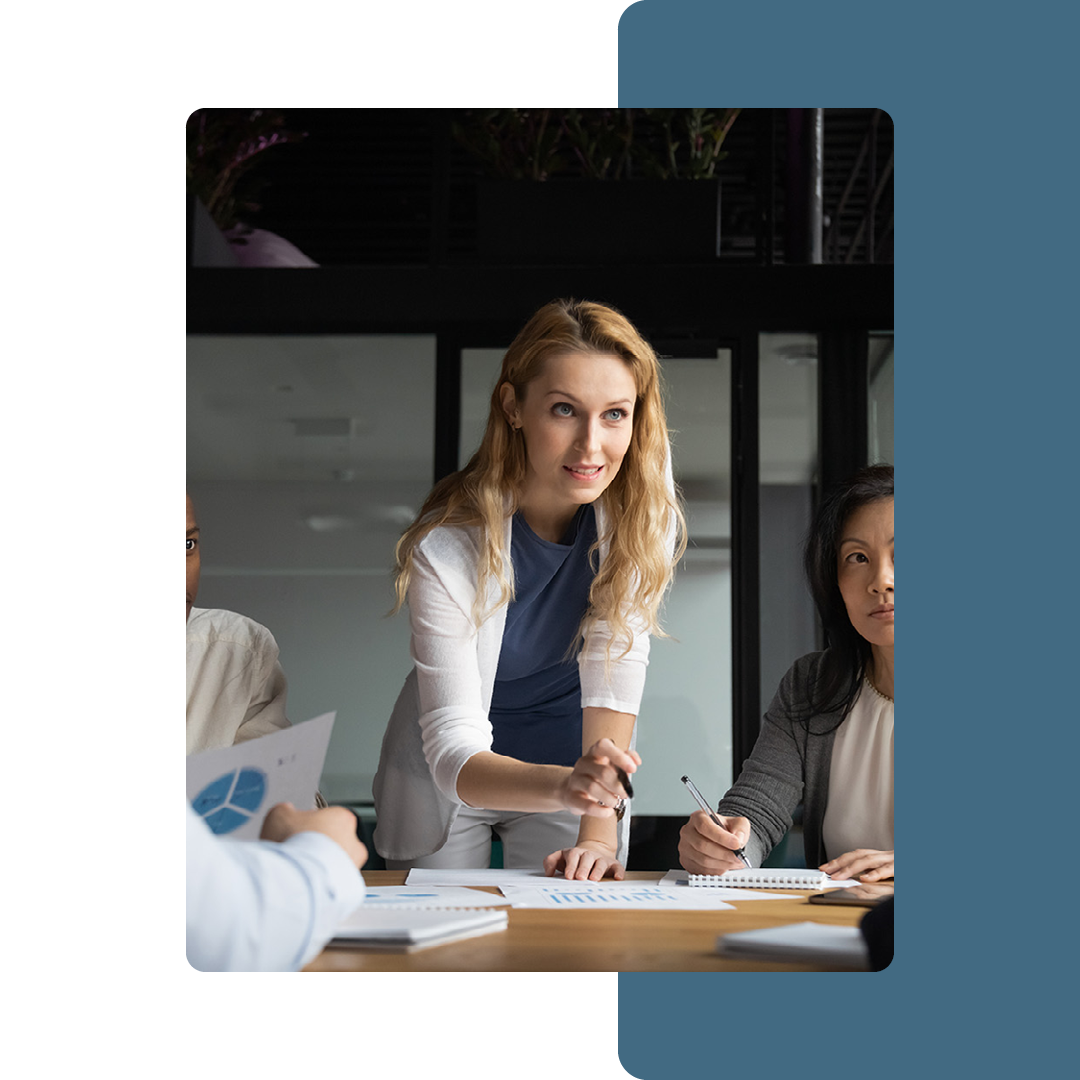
{"x": 407, "y": 931}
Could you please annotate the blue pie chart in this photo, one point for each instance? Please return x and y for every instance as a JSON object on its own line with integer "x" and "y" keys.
{"x": 231, "y": 800}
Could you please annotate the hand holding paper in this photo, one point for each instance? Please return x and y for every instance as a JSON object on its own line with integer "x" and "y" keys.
{"x": 339, "y": 824}
{"x": 233, "y": 787}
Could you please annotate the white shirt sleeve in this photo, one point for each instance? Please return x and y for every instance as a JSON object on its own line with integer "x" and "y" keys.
{"x": 446, "y": 652}
{"x": 262, "y": 906}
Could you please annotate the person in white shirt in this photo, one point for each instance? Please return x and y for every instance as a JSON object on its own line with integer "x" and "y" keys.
{"x": 271, "y": 904}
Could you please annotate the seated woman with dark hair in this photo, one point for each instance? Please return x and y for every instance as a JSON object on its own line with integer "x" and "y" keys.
{"x": 827, "y": 738}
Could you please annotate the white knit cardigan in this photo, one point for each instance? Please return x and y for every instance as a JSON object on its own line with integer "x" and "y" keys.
{"x": 441, "y": 716}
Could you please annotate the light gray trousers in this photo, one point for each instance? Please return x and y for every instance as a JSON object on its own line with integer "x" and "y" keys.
{"x": 527, "y": 839}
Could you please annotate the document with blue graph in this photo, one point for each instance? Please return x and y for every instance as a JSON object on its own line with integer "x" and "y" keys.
{"x": 233, "y": 787}
{"x": 594, "y": 896}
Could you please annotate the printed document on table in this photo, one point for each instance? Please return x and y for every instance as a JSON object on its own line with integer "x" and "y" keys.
{"x": 641, "y": 895}
{"x": 492, "y": 878}
{"x": 410, "y": 897}
{"x": 498, "y": 878}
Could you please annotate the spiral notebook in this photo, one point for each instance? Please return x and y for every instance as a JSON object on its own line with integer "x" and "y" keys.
{"x": 766, "y": 878}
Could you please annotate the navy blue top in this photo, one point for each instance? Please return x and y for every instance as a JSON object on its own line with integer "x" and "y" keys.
{"x": 536, "y": 703}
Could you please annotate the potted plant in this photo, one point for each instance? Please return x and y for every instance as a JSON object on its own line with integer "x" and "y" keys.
{"x": 597, "y": 185}
{"x": 224, "y": 149}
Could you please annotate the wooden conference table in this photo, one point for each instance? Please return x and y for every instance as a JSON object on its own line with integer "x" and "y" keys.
{"x": 549, "y": 940}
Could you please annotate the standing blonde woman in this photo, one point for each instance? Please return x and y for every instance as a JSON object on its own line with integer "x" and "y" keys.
{"x": 533, "y": 579}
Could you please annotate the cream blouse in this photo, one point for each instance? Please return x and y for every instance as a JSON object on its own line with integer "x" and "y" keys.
{"x": 859, "y": 813}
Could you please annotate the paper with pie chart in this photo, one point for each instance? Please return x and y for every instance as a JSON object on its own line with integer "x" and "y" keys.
{"x": 233, "y": 788}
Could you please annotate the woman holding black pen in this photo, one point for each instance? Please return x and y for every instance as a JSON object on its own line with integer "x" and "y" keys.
{"x": 827, "y": 738}
{"x": 533, "y": 579}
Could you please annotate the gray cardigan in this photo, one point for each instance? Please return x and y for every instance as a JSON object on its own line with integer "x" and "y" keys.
{"x": 790, "y": 761}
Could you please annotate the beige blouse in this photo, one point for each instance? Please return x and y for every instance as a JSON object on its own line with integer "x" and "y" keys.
{"x": 859, "y": 813}
{"x": 236, "y": 689}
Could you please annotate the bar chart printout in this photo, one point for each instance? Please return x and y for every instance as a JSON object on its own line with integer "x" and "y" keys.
{"x": 621, "y": 895}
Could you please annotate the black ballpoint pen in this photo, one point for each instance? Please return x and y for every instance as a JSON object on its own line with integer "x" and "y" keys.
{"x": 620, "y": 806}
{"x": 712, "y": 814}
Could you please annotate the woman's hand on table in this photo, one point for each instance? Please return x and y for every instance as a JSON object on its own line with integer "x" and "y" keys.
{"x": 586, "y": 862}
{"x": 593, "y": 786}
{"x": 704, "y": 848}
{"x": 865, "y": 864}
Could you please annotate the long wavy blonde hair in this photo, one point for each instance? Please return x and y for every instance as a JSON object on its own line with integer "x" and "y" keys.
{"x": 646, "y": 529}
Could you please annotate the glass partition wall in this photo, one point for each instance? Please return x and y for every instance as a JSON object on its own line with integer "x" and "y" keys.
{"x": 307, "y": 456}
{"x": 879, "y": 399}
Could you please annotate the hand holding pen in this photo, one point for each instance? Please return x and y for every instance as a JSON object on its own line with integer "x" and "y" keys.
{"x": 599, "y": 784}
{"x": 701, "y": 849}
